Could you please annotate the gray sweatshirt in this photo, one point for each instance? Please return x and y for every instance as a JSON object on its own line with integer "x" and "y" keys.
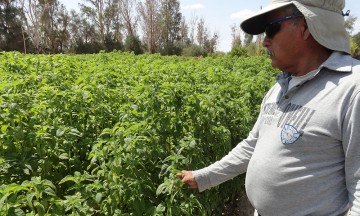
{"x": 302, "y": 156}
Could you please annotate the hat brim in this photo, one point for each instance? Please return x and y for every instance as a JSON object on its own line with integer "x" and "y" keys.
{"x": 255, "y": 24}
{"x": 326, "y": 26}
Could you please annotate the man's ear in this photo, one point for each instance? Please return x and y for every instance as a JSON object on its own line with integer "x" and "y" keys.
{"x": 305, "y": 30}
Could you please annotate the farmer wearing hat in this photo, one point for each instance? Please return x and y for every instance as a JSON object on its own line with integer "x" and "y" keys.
{"x": 302, "y": 156}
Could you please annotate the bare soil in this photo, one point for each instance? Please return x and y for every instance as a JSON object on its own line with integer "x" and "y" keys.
{"x": 239, "y": 206}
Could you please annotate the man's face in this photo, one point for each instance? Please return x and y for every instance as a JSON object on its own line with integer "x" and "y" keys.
{"x": 283, "y": 41}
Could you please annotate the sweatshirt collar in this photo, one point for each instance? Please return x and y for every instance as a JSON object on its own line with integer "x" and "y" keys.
{"x": 337, "y": 61}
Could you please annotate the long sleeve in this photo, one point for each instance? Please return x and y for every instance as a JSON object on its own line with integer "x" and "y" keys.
{"x": 228, "y": 167}
{"x": 303, "y": 155}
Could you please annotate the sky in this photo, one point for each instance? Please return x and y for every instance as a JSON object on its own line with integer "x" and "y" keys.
{"x": 220, "y": 15}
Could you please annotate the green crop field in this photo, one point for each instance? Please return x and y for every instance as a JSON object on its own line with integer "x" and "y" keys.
{"x": 104, "y": 134}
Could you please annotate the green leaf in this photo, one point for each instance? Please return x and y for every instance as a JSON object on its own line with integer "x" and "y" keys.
{"x": 68, "y": 178}
{"x": 39, "y": 207}
{"x": 99, "y": 197}
{"x": 60, "y": 132}
{"x": 75, "y": 132}
{"x": 160, "y": 208}
{"x": 50, "y": 191}
{"x": 4, "y": 128}
{"x": 161, "y": 189}
{"x": 64, "y": 156}
{"x": 14, "y": 188}
{"x": 15, "y": 211}
{"x": 30, "y": 197}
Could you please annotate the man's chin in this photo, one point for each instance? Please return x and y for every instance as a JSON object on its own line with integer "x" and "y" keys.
{"x": 274, "y": 63}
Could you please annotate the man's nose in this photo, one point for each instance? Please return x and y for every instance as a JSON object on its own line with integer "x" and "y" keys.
{"x": 266, "y": 42}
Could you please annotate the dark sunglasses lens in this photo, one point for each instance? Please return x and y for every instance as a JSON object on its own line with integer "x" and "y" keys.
{"x": 272, "y": 29}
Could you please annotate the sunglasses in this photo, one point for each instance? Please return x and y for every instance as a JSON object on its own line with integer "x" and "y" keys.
{"x": 273, "y": 27}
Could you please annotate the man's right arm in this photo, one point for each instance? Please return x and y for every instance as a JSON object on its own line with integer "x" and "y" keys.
{"x": 233, "y": 164}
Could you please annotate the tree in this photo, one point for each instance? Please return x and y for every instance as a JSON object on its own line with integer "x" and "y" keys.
{"x": 211, "y": 43}
{"x": 236, "y": 38}
{"x": 349, "y": 24}
{"x": 83, "y": 34}
{"x": 356, "y": 39}
{"x": 248, "y": 39}
{"x": 201, "y": 32}
{"x": 63, "y": 23}
{"x": 94, "y": 13}
{"x": 129, "y": 20}
{"x": 184, "y": 34}
{"x": 170, "y": 19}
{"x": 113, "y": 26}
{"x": 133, "y": 43}
{"x": 355, "y": 45}
{"x": 12, "y": 35}
{"x": 149, "y": 15}
{"x": 46, "y": 24}
{"x": 203, "y": 37}
{"x": 103, "y": 19}
{"x": 32, "y": 12}
{"x": 128, "y": 16}
{"x": 193, "y": 23}
{"x": 54, "y": 22}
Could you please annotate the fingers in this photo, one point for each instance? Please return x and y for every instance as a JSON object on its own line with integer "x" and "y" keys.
{"x": 180, "y": 175}
{"x": 193, "y": 186}
{"x": 187, "y": 178}
{"x": 184, "y": 175}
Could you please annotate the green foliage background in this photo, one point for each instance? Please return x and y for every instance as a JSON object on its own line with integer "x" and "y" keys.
{"x": 104, "y": 134}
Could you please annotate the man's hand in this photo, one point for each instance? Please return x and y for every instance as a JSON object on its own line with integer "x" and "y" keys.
{"x": 187, "y": 178}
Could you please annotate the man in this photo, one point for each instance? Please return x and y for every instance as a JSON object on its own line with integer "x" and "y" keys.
{"x": 302, "y": 156}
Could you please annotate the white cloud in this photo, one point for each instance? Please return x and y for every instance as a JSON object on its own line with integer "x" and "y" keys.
{"x": 194, "y": 6}
{"x": 243, "y": 14}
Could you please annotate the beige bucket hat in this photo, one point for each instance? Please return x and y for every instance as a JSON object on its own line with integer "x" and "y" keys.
{"x": 324, "y": 18}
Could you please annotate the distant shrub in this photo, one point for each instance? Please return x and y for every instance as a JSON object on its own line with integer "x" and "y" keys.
{"x": 238, "y": 51}
{"x": 194, "y": 50}
{"x": 133, "y": 43}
